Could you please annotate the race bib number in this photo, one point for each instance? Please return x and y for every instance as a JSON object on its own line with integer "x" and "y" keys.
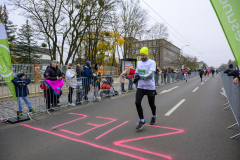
{"x": 141, "y": 72}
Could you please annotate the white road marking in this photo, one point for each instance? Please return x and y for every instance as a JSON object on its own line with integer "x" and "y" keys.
{"x": 165, "y": 91}
{"x": 206, "y": 80}
{"x": 202, "y": 83}
{"x": 195, "y": 89}
{"x": 175, "y": 107}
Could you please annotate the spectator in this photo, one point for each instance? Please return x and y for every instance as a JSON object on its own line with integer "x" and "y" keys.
{"x": 79, "y": 73}
{"x": 230, "y": 69}
{"x": 80, "y": 94}
{"x": 169, "y": 75}
{"x": 122, "y": 78}
{"x": 162, "y": 76}
{"x": 22, "y": 91}
{"x": 130, "y": 78}
{"x": 96, "y": 82}
{"x": 87, "y": 78}
{"x": 173, "y": 74}
{"x": 71, "y": 82}
{"x": 53, "y": 73}
{"x": 236, "y": 76}
{"x": 157, "y": 76}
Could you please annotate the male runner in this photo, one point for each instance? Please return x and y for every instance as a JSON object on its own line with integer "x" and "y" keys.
{"x": 201, "y": 73}
{"x": 146, "y": 86}
{"x": 186, "y": 73}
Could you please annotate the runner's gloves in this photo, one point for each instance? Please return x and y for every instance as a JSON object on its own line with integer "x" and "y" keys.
{"x": 137, "y": 77}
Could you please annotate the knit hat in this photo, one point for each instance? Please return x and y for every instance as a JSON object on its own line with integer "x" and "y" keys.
{"x": 88, "y": 63}
{"x": 54, "y": 61}
{"x": 19, "y": 75}
{"x": 231, "y": 66}
{"x": 70, "y": 64}
{"x": 144, "y": 50}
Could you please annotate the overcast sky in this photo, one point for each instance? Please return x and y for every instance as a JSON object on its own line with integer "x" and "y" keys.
{"x": 194, "y": 20}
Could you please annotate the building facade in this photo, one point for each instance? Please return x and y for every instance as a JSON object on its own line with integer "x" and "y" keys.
{"x": 164, "y": 53}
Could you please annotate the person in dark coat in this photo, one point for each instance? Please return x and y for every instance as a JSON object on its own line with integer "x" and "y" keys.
{"x": 79, "y": 73}
{"x": 230, "y": 69}
{"x": 201, "y": 73}
{"x": 22, "y": 91}
{"x": 52, "y": 73}
{"x": 87, "y": 78}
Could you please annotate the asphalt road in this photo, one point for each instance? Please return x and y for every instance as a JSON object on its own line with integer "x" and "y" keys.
{"x": 196, "y": 130}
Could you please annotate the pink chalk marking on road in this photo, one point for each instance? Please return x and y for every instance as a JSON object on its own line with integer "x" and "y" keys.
{"x": 97, "y": 126}
{"x": 111, "y": 130}
{"x": 88, "y": 143}
{"x": 119, "y": 143}
{"x": 84, "y": 116}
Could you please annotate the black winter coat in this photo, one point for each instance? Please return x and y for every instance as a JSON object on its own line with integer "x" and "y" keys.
{"x": 52, "y": 73}
{"x": 79, "y": 72}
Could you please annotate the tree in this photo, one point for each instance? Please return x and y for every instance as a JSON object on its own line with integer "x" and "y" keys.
{"x": 133, "y": 23}
{"x": 10, "y": 29}
{"x": 63, "y": 24}
{"x": 26, "y": 48}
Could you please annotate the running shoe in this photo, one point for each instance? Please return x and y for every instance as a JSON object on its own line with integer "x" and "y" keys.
{"x": 140, "y": 125}
{"x": 153, "y": 120}
{"x": 33, "y": 111}
{"x": 20, "y": 113}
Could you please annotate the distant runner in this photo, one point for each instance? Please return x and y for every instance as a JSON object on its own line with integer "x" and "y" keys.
{"x": 186, "y": 73}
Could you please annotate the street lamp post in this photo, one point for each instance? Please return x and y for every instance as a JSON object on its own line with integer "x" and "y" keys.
{"x": 180, "y": 56}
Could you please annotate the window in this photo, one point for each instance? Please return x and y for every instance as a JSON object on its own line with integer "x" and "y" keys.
{"x": 154, "y": 50}
{"x": 133, "y": 51}
{"x": 142, "y": 44}
{"x": 150, "y": 43}
{"x": 137, "y": 51}
{"x": 137, "y": 44}
{"x": 145, "y": 44}
{"x": 154, "y": 43}
{"x": 150, "y": 50}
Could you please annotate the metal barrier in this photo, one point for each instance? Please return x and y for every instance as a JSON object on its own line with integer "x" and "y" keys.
{"x": 79, "y": 92}
{"x": 232, "y": 93}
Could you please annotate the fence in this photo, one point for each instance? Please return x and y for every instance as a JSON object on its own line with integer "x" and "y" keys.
{"x": 232, "y": 93}
{"x": 43, "y": 102}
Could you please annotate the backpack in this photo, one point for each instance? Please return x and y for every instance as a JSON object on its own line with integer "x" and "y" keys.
{"x": 43, "y": 85}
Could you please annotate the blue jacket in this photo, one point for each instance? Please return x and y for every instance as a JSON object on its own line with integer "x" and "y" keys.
{"x": 21, "y": 86}
{"x": 88, "y": 75}
{"x": 201, "y": 71}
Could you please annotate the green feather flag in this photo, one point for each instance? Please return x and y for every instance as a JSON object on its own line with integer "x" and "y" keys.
{"x": 5, "y": 60}
{"x": 228, "y": 13}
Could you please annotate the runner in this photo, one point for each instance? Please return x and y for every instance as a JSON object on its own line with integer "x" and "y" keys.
{"x": 213, "y": 71}
{"x": 205, "y": 72}
{"x": 208, "y": 71}
{"x": 186, "y": 73}
{"x": 146, "y": 86}
{"x": 201, "y": 73}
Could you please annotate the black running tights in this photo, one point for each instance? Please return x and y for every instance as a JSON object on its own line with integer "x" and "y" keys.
{"x": 151, "y": 100}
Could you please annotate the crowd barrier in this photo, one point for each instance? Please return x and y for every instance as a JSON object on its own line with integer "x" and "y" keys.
{"x": 85, "y": 90}
{"x": 232, "y": 93}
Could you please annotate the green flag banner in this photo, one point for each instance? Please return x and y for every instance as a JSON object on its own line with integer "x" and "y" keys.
{"x": 5, "y": 60}
{"x": 228, "y": 13}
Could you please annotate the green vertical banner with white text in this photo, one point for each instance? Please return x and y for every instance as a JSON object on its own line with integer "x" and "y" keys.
{"x": 228, "y": 13}
{"x": 6, "y": 71}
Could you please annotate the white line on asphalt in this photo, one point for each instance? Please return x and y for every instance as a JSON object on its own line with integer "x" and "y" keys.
{"x": 165, "y": 91}
{"x": 195, "y": 89}
{"x": 175, "y": 107}
{"x": 202, "y": 83}
{"x": 206, "y": 80}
